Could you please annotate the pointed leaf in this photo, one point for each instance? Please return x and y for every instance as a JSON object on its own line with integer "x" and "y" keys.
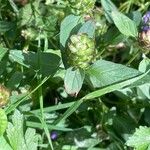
{"x": 103, "y": 73}
{"x": 66, "y": 27}
{"x": 108, "y": 7}
{"x": 73, "y": 81}
{"x": 49, "y": 62}
{"x": 125, "y": 25}
{"x": 88, "y": 28}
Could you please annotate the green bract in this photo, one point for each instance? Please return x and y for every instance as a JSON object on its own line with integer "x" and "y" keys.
{"x": 81, "y": 51}
{"x": 79, "y": 7}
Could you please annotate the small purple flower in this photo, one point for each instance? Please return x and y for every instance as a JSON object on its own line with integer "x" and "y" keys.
{"x": 146, "y": 18}
{"x": 145, "y": 28}
{"x": 54, "y": 135}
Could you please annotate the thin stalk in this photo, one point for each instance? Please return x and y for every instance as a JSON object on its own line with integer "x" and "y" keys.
{"x": 40, "y": 94}
{"x": 133, "y": 58}
{"x": 16, "y": 104}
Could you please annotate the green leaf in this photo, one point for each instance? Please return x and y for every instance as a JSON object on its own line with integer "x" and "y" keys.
{"x": 140, "y": 140}
{"x": 15, "y": 80}
{"x": 15, "y": 131}
{"x": 66, "y": 27}
{"x": 88, "y": 28}
{"x": 31, "y": 139}
{"x": 121, "y": 125}
{"x": 144, "y": 88}
{"x": 3, "y": 121}
{"x": 73, "y": 81}
{"x": 103, "y": 73}
{"x": 16, "y": 137}
{"x": 6, "y": 26}
{"x": 26, "y": 14}
{"x": 144, "y": 65}
{"x": 114, "y": 87}
{"x": 108, "y": 7}
{"x": 136, "y": 17}
{"x": 113, "y": 36}
{"x": 49, "y": 62}
{"x": 98, "y": 93}
{"x": 125, "y": 25}
{"x": 4, "y": 145}
{"x": 3, "y": 51}
{"x": 3, "y": 65}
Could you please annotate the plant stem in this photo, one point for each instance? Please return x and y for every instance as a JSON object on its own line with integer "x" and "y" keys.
{"x": 40, "y": 94}
{"x": 133, "y": 58}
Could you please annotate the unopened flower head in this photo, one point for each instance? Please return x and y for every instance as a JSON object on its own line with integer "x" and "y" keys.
{"x": 81, "y": 51}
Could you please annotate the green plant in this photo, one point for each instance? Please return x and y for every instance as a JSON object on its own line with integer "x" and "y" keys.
{"x": 74, "y": 75}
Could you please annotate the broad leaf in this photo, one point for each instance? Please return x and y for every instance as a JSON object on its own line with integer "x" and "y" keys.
{"x": 144, "y": 65}
{"x": 108, "y": 7}
{"x": 103, "y": 73}
{"x": 140, "y": 140}
{"x": 136, "y": 17}
{"x": 125, "y": 25}
{"x": 49, "y": 62}
{"x": 88, "y": 28}
{"x": 15, "y": 80}
{"x": 3, "y": 121}
{"x": 66, "y": 27}
{"x": 73, "y": 81}
{"x": 144, "y": 88}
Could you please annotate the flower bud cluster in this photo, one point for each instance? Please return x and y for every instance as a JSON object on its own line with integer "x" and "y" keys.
{"x": 81, "y": 51}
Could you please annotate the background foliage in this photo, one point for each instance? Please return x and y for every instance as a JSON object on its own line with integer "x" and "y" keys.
{"x": 47, "y": 103}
